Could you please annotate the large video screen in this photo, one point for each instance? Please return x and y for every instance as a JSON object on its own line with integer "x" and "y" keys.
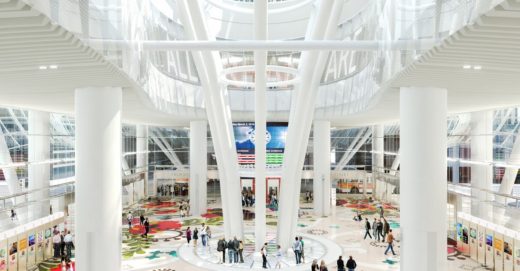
{"x": 245, "y": 142}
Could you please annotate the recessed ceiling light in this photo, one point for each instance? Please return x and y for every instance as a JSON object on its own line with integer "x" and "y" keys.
{"x": 43, "y": 67}
{"x": 477, "y": 67}
{"x": 53, "y": 67}
{"x": 466, "y": 67}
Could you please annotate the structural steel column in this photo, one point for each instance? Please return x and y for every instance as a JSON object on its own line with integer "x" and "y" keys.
{"x": 39, "y": 141}
{"x": 9, "y": 172}
{"x": 509, "y": 178}
{"x": 98, "y": 178}
{"x": 141, "y": 159}
{"x": 300, "y": 120}
{"x": 198, "y": 167}
{"x": 378, "y": 148}
{"x": 321, "y": 182}
{"x": 260, "y": 123}
{"x": 482, "y": 153}
{"x": 219, "y": 118}
{"x": 423, "y": 179}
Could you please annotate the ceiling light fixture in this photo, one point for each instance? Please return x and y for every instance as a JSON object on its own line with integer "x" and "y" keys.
{"x": 53, "y": 67}
{"x": 466, "y": 67}
{"x": 43, "y": 67}
{"x": 477, "y": 67}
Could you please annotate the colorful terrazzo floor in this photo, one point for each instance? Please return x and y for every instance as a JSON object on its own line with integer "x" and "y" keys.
{"x": 161, "y": 249}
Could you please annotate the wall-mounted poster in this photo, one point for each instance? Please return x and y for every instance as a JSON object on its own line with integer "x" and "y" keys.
{"x": 473, "y": 246}
{"x": 481, "y": 251}
{"x": 508, "y": 253}
{"x": 517, "y": 255}
{"x": 13, "y": 254}
{"x": 31, "y": 251}
{"x": 48, "y": 243}
{"x": 39, "y": 245}
{"x": 3, "y": 255}
{"x": 22, "y": 252}
{"x": 499, "y": 251}
{"x": 490, "y": 251}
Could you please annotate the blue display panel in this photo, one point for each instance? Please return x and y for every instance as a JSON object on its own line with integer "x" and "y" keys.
{"x": 245, "y": 142}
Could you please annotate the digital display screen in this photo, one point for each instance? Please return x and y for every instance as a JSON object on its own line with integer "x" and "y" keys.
{"x": 245, "y": 142}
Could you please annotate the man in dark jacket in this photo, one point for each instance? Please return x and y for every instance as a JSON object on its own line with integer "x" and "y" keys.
{"x": 221, "y": 247}
{"x": 341, "y": 264}
{"x": 386, "y": 228}
{"x": 351, "y": 264}
{"x": 231, "y": 251}
{"x": 236, "y": 245}
{"x": 367, "y": 229}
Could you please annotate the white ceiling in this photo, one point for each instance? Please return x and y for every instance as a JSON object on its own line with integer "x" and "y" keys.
{"x": 29, "y": 40}
{"x": 492, "y": 42}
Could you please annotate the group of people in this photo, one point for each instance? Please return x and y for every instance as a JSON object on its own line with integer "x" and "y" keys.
{"x": 381, "y": 231}
{"x": 248, "y": 198}
{"x": 298, "y": 248}
{"x": 62, "y": 244}
{"x": 234, "y": 248}
{"x": 350, "y": 265}
{"x": 184, "y": 208}
{"x": 309, "y": 196}
{"x": 204, "y": 234}
{"x": 143, "y": 221}
{"x": 171, "y": 190}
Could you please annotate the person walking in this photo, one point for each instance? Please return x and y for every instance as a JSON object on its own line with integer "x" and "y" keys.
{"x": 341, "y": 264}
{"x": 367, "y": 229}
{"x": 386, "y": 228}
{"x": 146, "y": 227}
{"x": 231, "y": 251}
{"x": 263, "y": 251}
{"x": 390, "y": 241}
{"x": 221, "y": 247}
{"x": 68, "y": 244}
{"x": 302, "y": 252}
{"x": 129, "y": 218}
{"x": 56, "y": 240}
{"x": 188, "y": 235}
{"x": 278, "y": 258}
{"x": 195, "y": 236}
{"x": 297, "y": 248}
{"x": 141, "y": 220}
{"x": 374, "y": 229}
{"x": 351, "y": 264}
{"x": 315, "y": 266}
{"x": 236, "y": 244}
{"x": 380, "y": 231}
{"x": 203, "y": 234}
{"x": 240, "y": 251}
{"x": 13, "y": 215}
{"x": 323, "y": 266}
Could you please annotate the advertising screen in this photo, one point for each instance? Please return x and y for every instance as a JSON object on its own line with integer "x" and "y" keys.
{"x": 245, "y": 142}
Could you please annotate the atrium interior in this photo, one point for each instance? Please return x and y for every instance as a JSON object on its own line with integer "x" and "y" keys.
{"x": 196, "y": 135}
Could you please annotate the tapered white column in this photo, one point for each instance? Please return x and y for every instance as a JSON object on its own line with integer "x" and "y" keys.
{"x": 260, "y": 123}
{"x": 141, "y": 147}
{"x": 321, "y": 155}
{"x": 98, "y": 178}
{"x": 423, "y": 179}
{"x": 9, "y": 173}
{"x": 378, "y": 148}
{"x": 39, "y": 142}
{"x": 482, "y": 153}
{"x": 198, "y": 167}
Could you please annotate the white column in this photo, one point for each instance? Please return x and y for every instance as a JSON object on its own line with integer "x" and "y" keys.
{"x": 198, "y": 167}
{"x": 9, "y": 173}
{"x": 509, "y": 178}
{"x": 423, "y": 179}
{"x": 481, "y": 152}
{"x": 456, "y": 165}
{"x": 321, "y": 155}
{"x": 378, "y": 148}
{"x": 141, "y": 159}
{"x": 39, "y": 142}
{"x": 98, "y": 178}
{"x": 260, "y": 123}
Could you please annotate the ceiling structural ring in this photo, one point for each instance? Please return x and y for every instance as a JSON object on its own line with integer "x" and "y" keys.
{"x": 284, "y": 76}
{"x": 247, "y": 8}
